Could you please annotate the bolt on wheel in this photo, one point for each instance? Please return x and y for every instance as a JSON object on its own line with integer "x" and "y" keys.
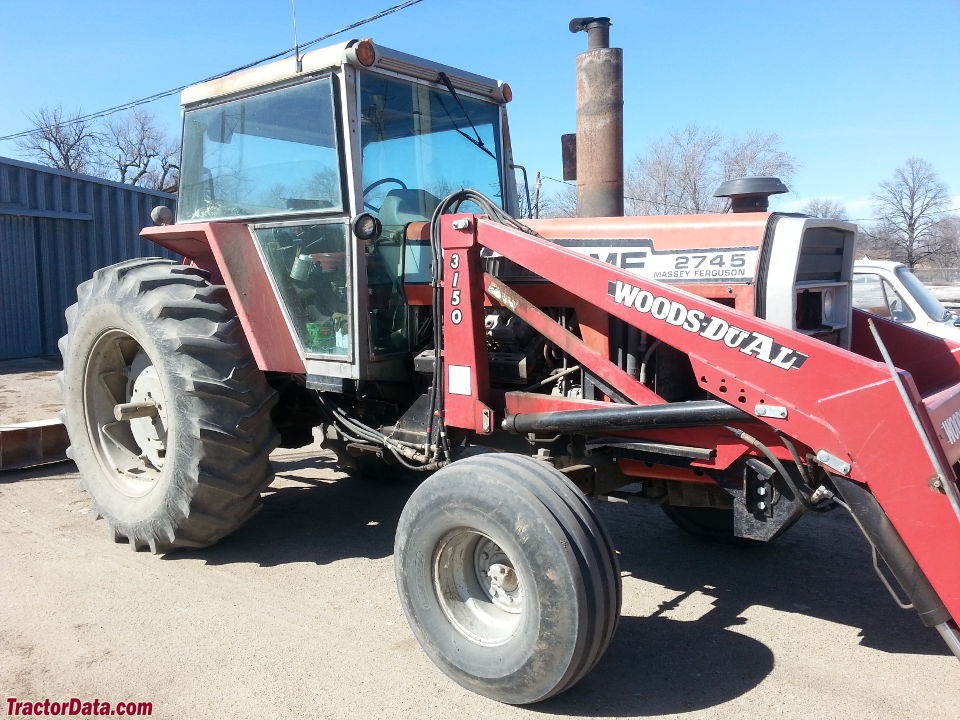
{"x": 478, "y": 587}
{"x": 122, "y": 382}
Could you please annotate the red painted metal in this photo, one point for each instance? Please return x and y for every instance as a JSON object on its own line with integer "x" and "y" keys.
{"x": 836, "y": 401}
{"x": 466, "y": 381}
{"x": 641, "y": 469}
{"x": 932, "y": 361}
{"x": 228, "y": 252}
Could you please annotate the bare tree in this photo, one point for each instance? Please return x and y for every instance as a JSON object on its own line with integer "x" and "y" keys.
{"x": 825, "y": 208}
{"x": 560, "y": 204}
{"x": 166, "y": 175}
{"x": 757, "y": 154}
{"x": 680, "y": 172}
{"x": 948, "y": 238}
{"x": 138, "y": 152}
{"x": 60, "y": 141}
{"x": 911, "y": 206}
{"x": 677, "y": 174}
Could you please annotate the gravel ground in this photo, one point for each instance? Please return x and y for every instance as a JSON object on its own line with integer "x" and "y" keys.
{"x": 295, "y": 615}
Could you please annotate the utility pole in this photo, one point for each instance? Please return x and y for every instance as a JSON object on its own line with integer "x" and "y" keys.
{"x": 536, "y": 197}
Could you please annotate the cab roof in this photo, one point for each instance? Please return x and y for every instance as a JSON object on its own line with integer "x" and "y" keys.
{"x": 333, "y": 57}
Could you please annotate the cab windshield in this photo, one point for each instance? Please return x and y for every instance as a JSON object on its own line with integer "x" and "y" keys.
{"x": 420, "y": 143}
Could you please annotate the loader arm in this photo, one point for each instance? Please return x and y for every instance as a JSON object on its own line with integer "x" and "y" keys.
{"x": 843, "y": 405}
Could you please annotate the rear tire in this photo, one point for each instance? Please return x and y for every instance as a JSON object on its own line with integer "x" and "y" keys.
{"x": 507, "y": 577}
{"x": 150, "y": 331}
{"x": 713, "y": 524}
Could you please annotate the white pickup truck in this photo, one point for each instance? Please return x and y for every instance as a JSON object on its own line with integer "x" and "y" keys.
{"x": 888, "y": 289}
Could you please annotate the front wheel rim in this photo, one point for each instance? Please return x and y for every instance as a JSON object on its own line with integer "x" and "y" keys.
{"x": 478, "y": 587}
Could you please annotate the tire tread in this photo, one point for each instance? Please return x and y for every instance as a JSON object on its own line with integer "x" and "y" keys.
{"x": 228, "y": 394}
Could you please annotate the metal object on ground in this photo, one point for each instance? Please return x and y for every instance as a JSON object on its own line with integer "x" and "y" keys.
{"x": 32, "y": 443}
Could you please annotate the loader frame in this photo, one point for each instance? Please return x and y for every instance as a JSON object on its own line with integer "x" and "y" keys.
{"x": 844, "y": 409}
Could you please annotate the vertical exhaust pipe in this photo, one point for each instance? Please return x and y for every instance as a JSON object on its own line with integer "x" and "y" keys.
{"x": 599, "y": 121}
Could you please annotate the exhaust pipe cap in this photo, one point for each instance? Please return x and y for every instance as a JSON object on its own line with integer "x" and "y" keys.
{"x": 750, "y": 194}
{"x": 597, "y": 29}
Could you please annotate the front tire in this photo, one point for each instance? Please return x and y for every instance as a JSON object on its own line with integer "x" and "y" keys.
{"x": 507, "y": 577}
{"x": 190, "y": 470}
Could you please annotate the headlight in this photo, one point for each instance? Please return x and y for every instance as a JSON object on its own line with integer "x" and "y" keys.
{"x": 827, "y": 301}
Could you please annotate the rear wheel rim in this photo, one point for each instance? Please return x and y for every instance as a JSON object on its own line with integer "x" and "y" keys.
{"x": 130, "y": 452}
{"x": 478, "y": 587}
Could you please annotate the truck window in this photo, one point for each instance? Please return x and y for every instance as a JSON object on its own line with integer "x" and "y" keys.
{"x": 875, "y": 295}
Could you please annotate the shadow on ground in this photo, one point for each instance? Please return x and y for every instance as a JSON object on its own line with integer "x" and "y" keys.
{"x": 319, "y": 520}
{"x": 656, "y": 665}
{"x": 50, "y": 471}
{"x": 44, "y": 364}
{"x": 821, "y": 567}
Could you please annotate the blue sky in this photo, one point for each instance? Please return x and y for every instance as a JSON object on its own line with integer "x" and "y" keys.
{"x": 852, "y": 87}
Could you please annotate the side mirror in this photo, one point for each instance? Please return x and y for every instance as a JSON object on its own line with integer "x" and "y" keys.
{"x": 568, "y": 151}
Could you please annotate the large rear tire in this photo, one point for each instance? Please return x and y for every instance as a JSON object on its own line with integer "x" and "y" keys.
{"x": 707, "y": 523}
{"x": 507, "y": 577}
{"x": 190, "y": 468}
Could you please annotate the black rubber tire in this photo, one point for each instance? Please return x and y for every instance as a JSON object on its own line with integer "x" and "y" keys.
{"x": 219, "y": 435}
{"x": 714, "y": 524}
{"x": 563, "y": 557}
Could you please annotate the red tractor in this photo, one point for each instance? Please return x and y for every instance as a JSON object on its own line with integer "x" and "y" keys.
{"x": 339, "y": 278}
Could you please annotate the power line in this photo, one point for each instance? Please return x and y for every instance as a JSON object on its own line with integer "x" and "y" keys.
{"x": 888, "y": 217}
{"x": 686, "y": 209}
{"x": 167, "y": 93}
{"x": 627, "y": 197}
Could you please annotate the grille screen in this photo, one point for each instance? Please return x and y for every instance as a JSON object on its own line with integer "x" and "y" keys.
{"x": 821, "y": 256}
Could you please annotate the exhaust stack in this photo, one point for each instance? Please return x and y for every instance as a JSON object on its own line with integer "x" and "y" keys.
{"x": 599, "y": 145}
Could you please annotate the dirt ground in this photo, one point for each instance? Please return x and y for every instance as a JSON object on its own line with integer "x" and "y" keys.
{"x": 295, "y": 615}
{"x": 28, "y": 390}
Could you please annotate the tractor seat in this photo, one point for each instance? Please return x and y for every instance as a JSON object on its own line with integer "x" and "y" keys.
{"x": 405, "y": 206}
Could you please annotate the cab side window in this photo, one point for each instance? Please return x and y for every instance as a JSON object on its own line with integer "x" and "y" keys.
{"x": 875, "y": 295}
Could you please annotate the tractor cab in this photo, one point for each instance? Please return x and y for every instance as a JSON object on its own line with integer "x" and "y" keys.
{"x": 327, "y": 158}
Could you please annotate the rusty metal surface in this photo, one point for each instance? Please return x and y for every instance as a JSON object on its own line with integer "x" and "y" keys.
{"x": 32, "y": 443}
{"x": 600, "y": 133}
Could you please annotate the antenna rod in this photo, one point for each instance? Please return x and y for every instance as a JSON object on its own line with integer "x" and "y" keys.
{"x": 296, "y": 44}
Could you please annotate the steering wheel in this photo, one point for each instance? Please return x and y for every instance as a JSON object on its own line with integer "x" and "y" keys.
{"x": 378, "y": 183}
{"x": 897, "y": 312}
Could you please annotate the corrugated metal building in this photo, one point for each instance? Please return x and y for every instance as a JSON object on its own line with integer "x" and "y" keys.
{"x": 56, "y": 228}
